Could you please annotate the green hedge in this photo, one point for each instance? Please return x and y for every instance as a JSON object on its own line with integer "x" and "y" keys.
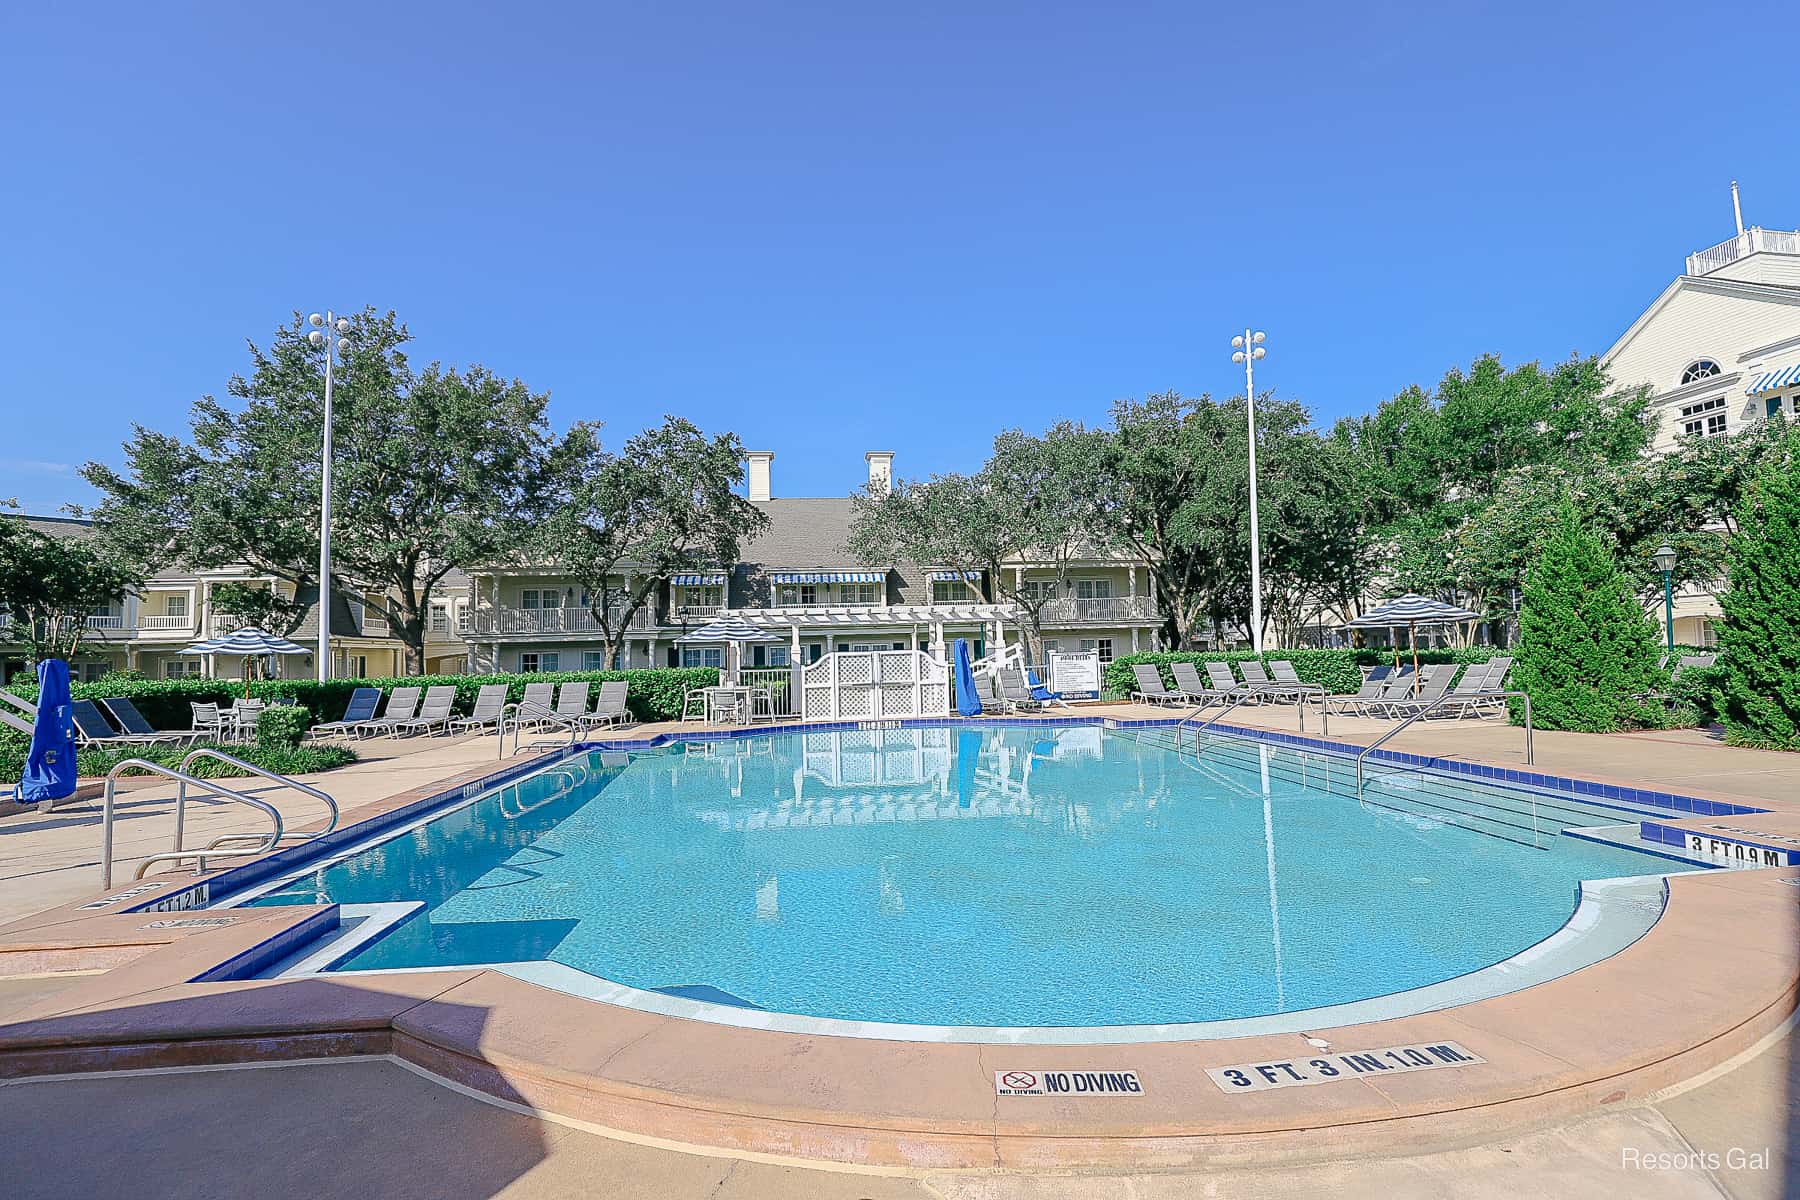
{"x": 92, "y": 763}
{"x": 1338, "y": 671}
{"x": 653, "y": 694}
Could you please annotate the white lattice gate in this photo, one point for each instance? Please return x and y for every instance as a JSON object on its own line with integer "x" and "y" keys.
{"x": 874, "y": 685}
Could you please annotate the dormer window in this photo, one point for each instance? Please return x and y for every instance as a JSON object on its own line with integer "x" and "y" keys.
{"x": 1698, "y": 370}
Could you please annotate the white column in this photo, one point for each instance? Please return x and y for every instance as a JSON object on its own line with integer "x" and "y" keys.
{"x": 1133, "y": 576}
{"x": 1134, "y": 639}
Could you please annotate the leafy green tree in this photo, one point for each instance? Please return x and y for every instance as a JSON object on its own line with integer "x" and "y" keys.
{"x": 664, "y": 504}
{"x": 1759, "y": 637}
{"x": 433, "y": 470}
{"x": 49, "y": 585}
{"x": 258, "y": 606}
{"x": 1586, "y": 646}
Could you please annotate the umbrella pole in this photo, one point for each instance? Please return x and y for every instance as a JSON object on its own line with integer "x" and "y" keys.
{"x": 1412, "y": 635}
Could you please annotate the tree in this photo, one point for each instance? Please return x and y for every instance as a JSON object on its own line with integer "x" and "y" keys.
{"x": 1034, "y": 500}
{"x": 1586, "y": 645}
{"x": 1759, "y": 637}
{"x": 49, "y": 585}
{"x": 665, "y": 504}
{"x": 433, "y": 470}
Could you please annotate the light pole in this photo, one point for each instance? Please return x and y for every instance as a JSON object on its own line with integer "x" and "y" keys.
{"x": 1665, "y": 562}
{"x": 1247, "y": 348}
{"x": 321, "y": 336}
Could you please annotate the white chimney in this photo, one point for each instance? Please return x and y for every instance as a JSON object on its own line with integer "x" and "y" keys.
{"x": 759, "y": 473}
{"x": 881, "y": 471}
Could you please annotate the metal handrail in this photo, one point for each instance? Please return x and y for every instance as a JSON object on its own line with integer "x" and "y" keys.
{"x": 176, "y": 854}
{"x": 522, "y": 712}
{"x": 1530, "y": 756}
{"x": 251, "y": 769}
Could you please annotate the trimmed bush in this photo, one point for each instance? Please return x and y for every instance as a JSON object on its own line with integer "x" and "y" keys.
{"x": 284, "y": 760}
{"x": 1338, "y": 671}
{"x": 655, "y": 694}
{"x": 1586, "y": 645}
{"x": 282, "y": 725}
{"x": 1759, "y": 637}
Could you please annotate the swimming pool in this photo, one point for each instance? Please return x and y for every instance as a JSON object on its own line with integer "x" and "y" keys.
{"x": 987, "y": 875}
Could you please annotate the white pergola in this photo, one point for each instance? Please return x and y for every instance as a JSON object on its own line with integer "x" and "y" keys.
{"x": 846, "y": 618}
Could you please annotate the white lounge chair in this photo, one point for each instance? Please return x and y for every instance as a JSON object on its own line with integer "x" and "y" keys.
{"x": 435, "y": 713}
{"x": 402, "y": 705}
{"x": 488, "y": 703}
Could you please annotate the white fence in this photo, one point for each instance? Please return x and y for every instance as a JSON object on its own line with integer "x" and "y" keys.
{"x": 873, "y": 685}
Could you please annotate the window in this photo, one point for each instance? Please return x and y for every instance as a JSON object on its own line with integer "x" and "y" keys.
{"x": 809, "y": 593}
{"x": 182, "y": 668}
{"x": 593, "y": 660}
{"x": 1093, "y": 589}
{"x": 529, "y": 598}
{"x": 951, "y": 591}
{"x": 700, "y": 597}
{"x": 859, "y": 593}
{"x": 532, "y": 661}
{"x": 1699, "y": 369}
{"x": 176, "y": 605}
{"x": 535, "y": 598}
{"x": 702, "y": 656}
{"x": 440, "y": 618}
{"x": 1101, "y": 645}
{"x": 803, "y": 593}
{"x": 1705, "y": 419}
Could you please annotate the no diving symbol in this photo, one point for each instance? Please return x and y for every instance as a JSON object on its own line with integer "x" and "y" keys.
{"x": 1019, "y": 1079}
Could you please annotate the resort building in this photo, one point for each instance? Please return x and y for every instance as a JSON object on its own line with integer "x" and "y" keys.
{"x": 798, "y": 580}
{"x": 1720, "y": 350}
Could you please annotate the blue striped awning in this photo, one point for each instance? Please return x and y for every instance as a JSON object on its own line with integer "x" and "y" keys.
{"x": 1774, "y": 381}
{"x": 829, "y": 576}
{"x": 700, "y": 579}
{"x": 946, "y": 576}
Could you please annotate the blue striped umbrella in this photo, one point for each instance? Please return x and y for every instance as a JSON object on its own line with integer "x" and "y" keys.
{"x": 730, "y": 629}
{"x": 250, "y": 643}
{"x": 1412, "y": 610}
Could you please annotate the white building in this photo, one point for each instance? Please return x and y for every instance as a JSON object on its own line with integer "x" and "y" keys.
{"x": 1719, "y": 349}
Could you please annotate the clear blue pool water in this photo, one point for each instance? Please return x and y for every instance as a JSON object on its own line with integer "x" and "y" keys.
{"x": 994, "y": 876}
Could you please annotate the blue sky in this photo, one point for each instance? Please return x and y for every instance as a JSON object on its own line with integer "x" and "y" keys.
{"x": 835, "y": 228}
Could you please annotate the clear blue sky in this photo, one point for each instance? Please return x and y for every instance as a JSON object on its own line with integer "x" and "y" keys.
{"x": 836, "y": 228}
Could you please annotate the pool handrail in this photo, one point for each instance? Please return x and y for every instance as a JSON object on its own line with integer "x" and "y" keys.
{"x": 1530, "y": 757}
{"x": 1247, "y": 692}
{"x": 201, "y": 854}
{"x": 522, "y": 713}
{"x": 252, "y": 769}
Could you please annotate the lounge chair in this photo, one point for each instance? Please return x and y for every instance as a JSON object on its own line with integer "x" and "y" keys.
{"x": 132, "y": 722}
{"x": 362, "y": 705}
{"x": 1468, "y": 692}
{"x": 1219, "y": 675}
{"x": 572, "y": 704}
{"x": 435, "y": 713}
{"x": 1015, "y": 692}
{"x": 1150, "y": 686}
{"x": 1373, "y": 685}
{"x": 488, "y": 703}
{"x": 1434, "y": 683}
{"x": 1196, "y": 689}
{"x": 987, "y": 691}
{"x": 537, "y": 707}
{"x": 402, "y": 705}
{"x": 93, "y": 729}
{"x": 1257, "y": 679}
{"x": 610, "y": 708}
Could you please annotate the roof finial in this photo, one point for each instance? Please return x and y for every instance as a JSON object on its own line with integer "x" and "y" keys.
{"x": 1737, "y": 210}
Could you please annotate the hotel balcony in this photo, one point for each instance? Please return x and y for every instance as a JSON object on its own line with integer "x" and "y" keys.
{"x": 536, "y": 622}
{"x": 1109, "y": 610}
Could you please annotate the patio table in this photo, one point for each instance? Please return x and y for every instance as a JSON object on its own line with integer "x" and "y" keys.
{"x": 727, "y": 701}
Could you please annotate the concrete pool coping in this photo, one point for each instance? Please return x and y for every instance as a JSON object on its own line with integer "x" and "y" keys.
{"x": 1714, "y": 974}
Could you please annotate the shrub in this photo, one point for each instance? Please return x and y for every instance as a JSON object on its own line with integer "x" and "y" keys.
{"x": 284, "y": 760}
{"x": 282, "y": 725}
{"x": 1759, "y": 638}
{"x": 1586, "y": 645}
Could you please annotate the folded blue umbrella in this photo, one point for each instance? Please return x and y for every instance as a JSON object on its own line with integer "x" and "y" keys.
{"x": 50, "y": 766}
{"x": 967, "y": 702}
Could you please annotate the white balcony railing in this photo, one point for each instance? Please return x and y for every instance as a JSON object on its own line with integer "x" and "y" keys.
{"x": 487, "y": 622}
{"x": 1752, "y": 240}
{"x": 1098, "y": 611}
{"x": 111, "y": 621}
{"x": 155, "y": 621}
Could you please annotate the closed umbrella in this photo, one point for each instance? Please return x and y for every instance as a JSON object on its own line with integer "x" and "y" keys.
{"x": 733, "y": 631}
{"x": 249, "y": 643}
{"x": 1413, "y": 610}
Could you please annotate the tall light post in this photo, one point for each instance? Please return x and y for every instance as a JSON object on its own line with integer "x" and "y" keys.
{"x": 1665, "y": 562}
{"x": 324, "y": 327}
{"x": 1247, "y": 348}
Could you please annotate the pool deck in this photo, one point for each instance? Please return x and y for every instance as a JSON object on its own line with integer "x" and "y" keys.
{"x": 86, "y": 990}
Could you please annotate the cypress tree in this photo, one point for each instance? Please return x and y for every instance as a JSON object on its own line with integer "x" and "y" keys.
{"x": 1759, "y": 638}
{"x": 1586, "y": 645}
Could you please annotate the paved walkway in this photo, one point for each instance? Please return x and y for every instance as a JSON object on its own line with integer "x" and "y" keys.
{"x": 372, "y": 1128}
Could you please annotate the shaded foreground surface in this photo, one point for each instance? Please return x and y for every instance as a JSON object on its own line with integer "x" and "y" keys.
{"x": 368, "y": 1128}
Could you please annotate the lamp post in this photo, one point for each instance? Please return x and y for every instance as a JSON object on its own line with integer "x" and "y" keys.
{"x": 1246, "y": 349}
{"x": 1665, "y": 562}
{"x": 322, "y": 336}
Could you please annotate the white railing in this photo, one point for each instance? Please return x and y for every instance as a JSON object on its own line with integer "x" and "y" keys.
{"x": 164, "y": 621}
{"x": 875, "y": 685}
{"x": 1101, "y": 609}
{"x": 1752, "y": 240}
{"x": 108, "y": 622}
{"x": 488, "y": 621}
{"x": 777, "y": 684}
